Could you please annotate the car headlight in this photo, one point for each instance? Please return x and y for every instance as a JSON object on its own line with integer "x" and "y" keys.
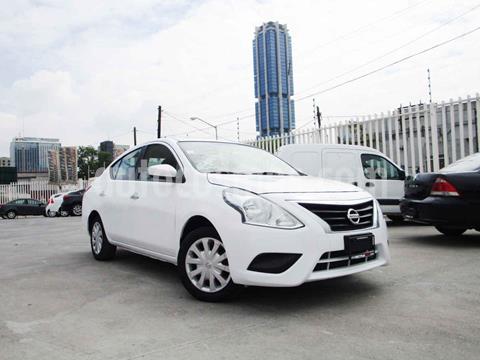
{"x": 256, "y": 210}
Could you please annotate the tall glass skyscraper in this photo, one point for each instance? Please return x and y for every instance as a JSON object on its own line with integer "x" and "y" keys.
{"x": 272, "y": 60}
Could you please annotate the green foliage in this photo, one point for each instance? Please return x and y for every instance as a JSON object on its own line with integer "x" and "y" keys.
{"x": 89, "y": 160}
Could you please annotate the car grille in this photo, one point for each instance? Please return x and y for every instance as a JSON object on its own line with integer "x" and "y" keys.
{"x": 340, "y": 259}
{"x": 336, "y": 215}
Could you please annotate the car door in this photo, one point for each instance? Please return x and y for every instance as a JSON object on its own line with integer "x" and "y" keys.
{"x": 35, "y": 207}
{"x": 155, "y": 203}
{"x": 384, "y": 180}
{"x": 117, "y": 205}
{"x": 22, "y": 207}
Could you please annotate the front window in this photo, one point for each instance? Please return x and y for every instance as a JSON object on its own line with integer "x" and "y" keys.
{"x": 378, "y": 168}
{"x": 229, "y": 158}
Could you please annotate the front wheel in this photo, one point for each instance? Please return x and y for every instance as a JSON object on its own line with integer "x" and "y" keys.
{"x": 450, "y": 231}
{"x": 204, "y": 268}
{"x": 63, "y": 213}
{"x": 11, "y": 214}
{"x": 101, "y": 247}
{"x": 51, "y": 213}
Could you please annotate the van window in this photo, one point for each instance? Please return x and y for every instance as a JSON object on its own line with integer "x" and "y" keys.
{"x": 376, "y": 167}
{"x": 340, "y": 165}
{"x": 307, "y": 162}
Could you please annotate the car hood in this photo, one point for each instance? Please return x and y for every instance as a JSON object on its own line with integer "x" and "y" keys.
{"x": 267, "y": 184}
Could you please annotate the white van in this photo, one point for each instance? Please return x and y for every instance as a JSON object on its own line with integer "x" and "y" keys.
{"x": 362, "y": 166}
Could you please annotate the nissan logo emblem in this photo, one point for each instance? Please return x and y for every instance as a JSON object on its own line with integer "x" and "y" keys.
{"x": 353, "y": 216}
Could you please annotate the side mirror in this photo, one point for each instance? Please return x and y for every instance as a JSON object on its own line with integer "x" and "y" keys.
{"x": 402, "y": 174}
{"x": 164, "y": 171}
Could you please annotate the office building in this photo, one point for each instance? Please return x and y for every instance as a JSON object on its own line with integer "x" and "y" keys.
{"x": 30, "y": 156}
{"x": 62, "y": 165}
{"x": 4, "y": 162}
{"x": 107, "y": 146}
{"x": 273, "y": 79}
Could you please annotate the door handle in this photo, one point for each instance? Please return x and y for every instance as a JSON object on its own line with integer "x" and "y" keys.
{"x": 355, "y": 183}
{"x": 135, "y": 196}
{"x": 369, "y": 184}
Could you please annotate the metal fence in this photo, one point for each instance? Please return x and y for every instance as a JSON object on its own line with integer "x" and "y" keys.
{"x": 39, "y": 190}
{"x": 419, "y": 138}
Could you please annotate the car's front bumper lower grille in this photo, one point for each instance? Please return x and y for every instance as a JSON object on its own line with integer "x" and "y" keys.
{"x": 340, "y": 259}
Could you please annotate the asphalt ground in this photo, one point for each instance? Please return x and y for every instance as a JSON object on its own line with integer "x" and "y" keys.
{"x": 57, "y": 302}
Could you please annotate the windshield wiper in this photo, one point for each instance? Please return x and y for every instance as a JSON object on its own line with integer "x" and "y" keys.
{"x": 226, "y": 173}
{"x": 269, "y": 173}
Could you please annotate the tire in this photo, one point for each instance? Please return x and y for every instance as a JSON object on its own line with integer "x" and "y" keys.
{"x": 197, "y": 271}
{"x": 11, "y": 214}
{"x": 63, "y": 213}
{"x": 101, "y": 248}
{"x": 450, "y": 231}
{"x": 396, "y": 218}
{"x": 51, "y": 213}
{"x": 77, "y": 210}
{"x": 3, "y": 217}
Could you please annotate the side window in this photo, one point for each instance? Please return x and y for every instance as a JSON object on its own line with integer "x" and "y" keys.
{"x": 156, "y": 154}
{"x": 20, "y": 202}
{"x": 114, "y": 169}
{"x": 378, "y": 168}
{"x": 32, "y": 202}
{"x": 128, "y": 168}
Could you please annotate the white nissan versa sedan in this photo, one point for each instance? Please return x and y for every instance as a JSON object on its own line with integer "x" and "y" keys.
{"x": 229, "y": 214}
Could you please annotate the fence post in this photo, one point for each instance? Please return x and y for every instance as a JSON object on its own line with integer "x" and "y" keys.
{"x": 477, "y": 105}
{"x": 412, "y": 139}
{"x": 444, "y": 135}
{"x": 470, "y": 127}
{"x": 390, "y": 137}
{"x": 435, "y": 154}
{"x": 453, "y": 136}
{"x": 461, "y": 124}
{"x": 419, "y": 137}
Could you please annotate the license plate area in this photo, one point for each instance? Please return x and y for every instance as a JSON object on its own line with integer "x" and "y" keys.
{"x": 359, "y": 244}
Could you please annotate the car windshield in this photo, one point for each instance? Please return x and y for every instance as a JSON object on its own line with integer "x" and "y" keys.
{"x": 469, "y": 163}
{"x": 230, "y": 158}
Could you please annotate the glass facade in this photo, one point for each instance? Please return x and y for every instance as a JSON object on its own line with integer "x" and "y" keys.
{"x": 273, "y": 79}
{"x": 30, "y": 155}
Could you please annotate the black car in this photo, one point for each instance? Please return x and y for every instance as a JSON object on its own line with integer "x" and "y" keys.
{"x": 448, "y": 200}
{"x": 13, "y": 208}
{"x": 72, "y": 203}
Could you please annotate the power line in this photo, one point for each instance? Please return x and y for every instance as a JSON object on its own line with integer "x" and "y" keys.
{"x": 395, "y": 49}
{"x": 389, "y": 65}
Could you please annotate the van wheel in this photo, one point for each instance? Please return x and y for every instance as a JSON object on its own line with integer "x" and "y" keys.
{"x": 101, "y": 247}
{"x": 450, "y": 231}
{"x": 203, "y": 266}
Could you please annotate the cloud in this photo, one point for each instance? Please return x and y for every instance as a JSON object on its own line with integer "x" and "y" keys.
{"x": 86, "y": 71}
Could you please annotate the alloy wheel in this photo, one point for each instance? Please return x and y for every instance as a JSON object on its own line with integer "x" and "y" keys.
{"x": 11, "y": 215}
{"x": 77, "y": 210}
{"x": 206, "y": 264}
{"x": 51, "y": 213}
{"x": 97, "y": 238}
{"x": 63, "y": 213}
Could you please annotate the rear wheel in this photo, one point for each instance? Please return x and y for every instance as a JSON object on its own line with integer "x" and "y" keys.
{"x": 203, "y": 266}
{"x": 450, "y": 231}
{"x": 77, "y": 210}
{"x": 51, "y": 213}
{"x": 11, "y": 214}
{"x": 63, "y": 213}
{"x": 101, "y": 247}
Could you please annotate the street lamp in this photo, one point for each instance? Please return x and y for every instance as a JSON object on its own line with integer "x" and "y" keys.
{"x": 214, "y": 126}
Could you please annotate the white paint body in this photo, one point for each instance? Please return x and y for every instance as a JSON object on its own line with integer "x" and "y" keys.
{"x": 151, "y": 222}
{"x": 344, "y": 163}
{"x": 54, "y": 203}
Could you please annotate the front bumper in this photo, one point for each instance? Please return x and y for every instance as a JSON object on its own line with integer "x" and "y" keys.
{"x": 449, "y": 211}
{"x": 244, "y": 243}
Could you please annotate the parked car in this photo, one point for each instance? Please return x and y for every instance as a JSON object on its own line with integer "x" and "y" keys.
{"x": 53, "y": 206}
{"x": 229, "y": 214}
{"x": 448, "y": 199}
{"x": 72, "y": 203}
{"x": 17, "y": 207}
{"x": 361, "y": 166}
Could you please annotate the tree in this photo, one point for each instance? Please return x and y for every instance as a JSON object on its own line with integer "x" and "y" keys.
{"x": 104, "y": 159}
{"x": 87, "y": 162}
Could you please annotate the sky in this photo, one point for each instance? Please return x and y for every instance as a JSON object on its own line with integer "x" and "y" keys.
{"x": 87, "y": 71}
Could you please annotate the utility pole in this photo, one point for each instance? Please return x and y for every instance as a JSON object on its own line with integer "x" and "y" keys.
{"x": 159, "y": 124}
{"x": 134, "y": 136}
{"x": 319, "y": 118}
{"x": 429, "y": 86}
{"x": 238, "y": 129}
